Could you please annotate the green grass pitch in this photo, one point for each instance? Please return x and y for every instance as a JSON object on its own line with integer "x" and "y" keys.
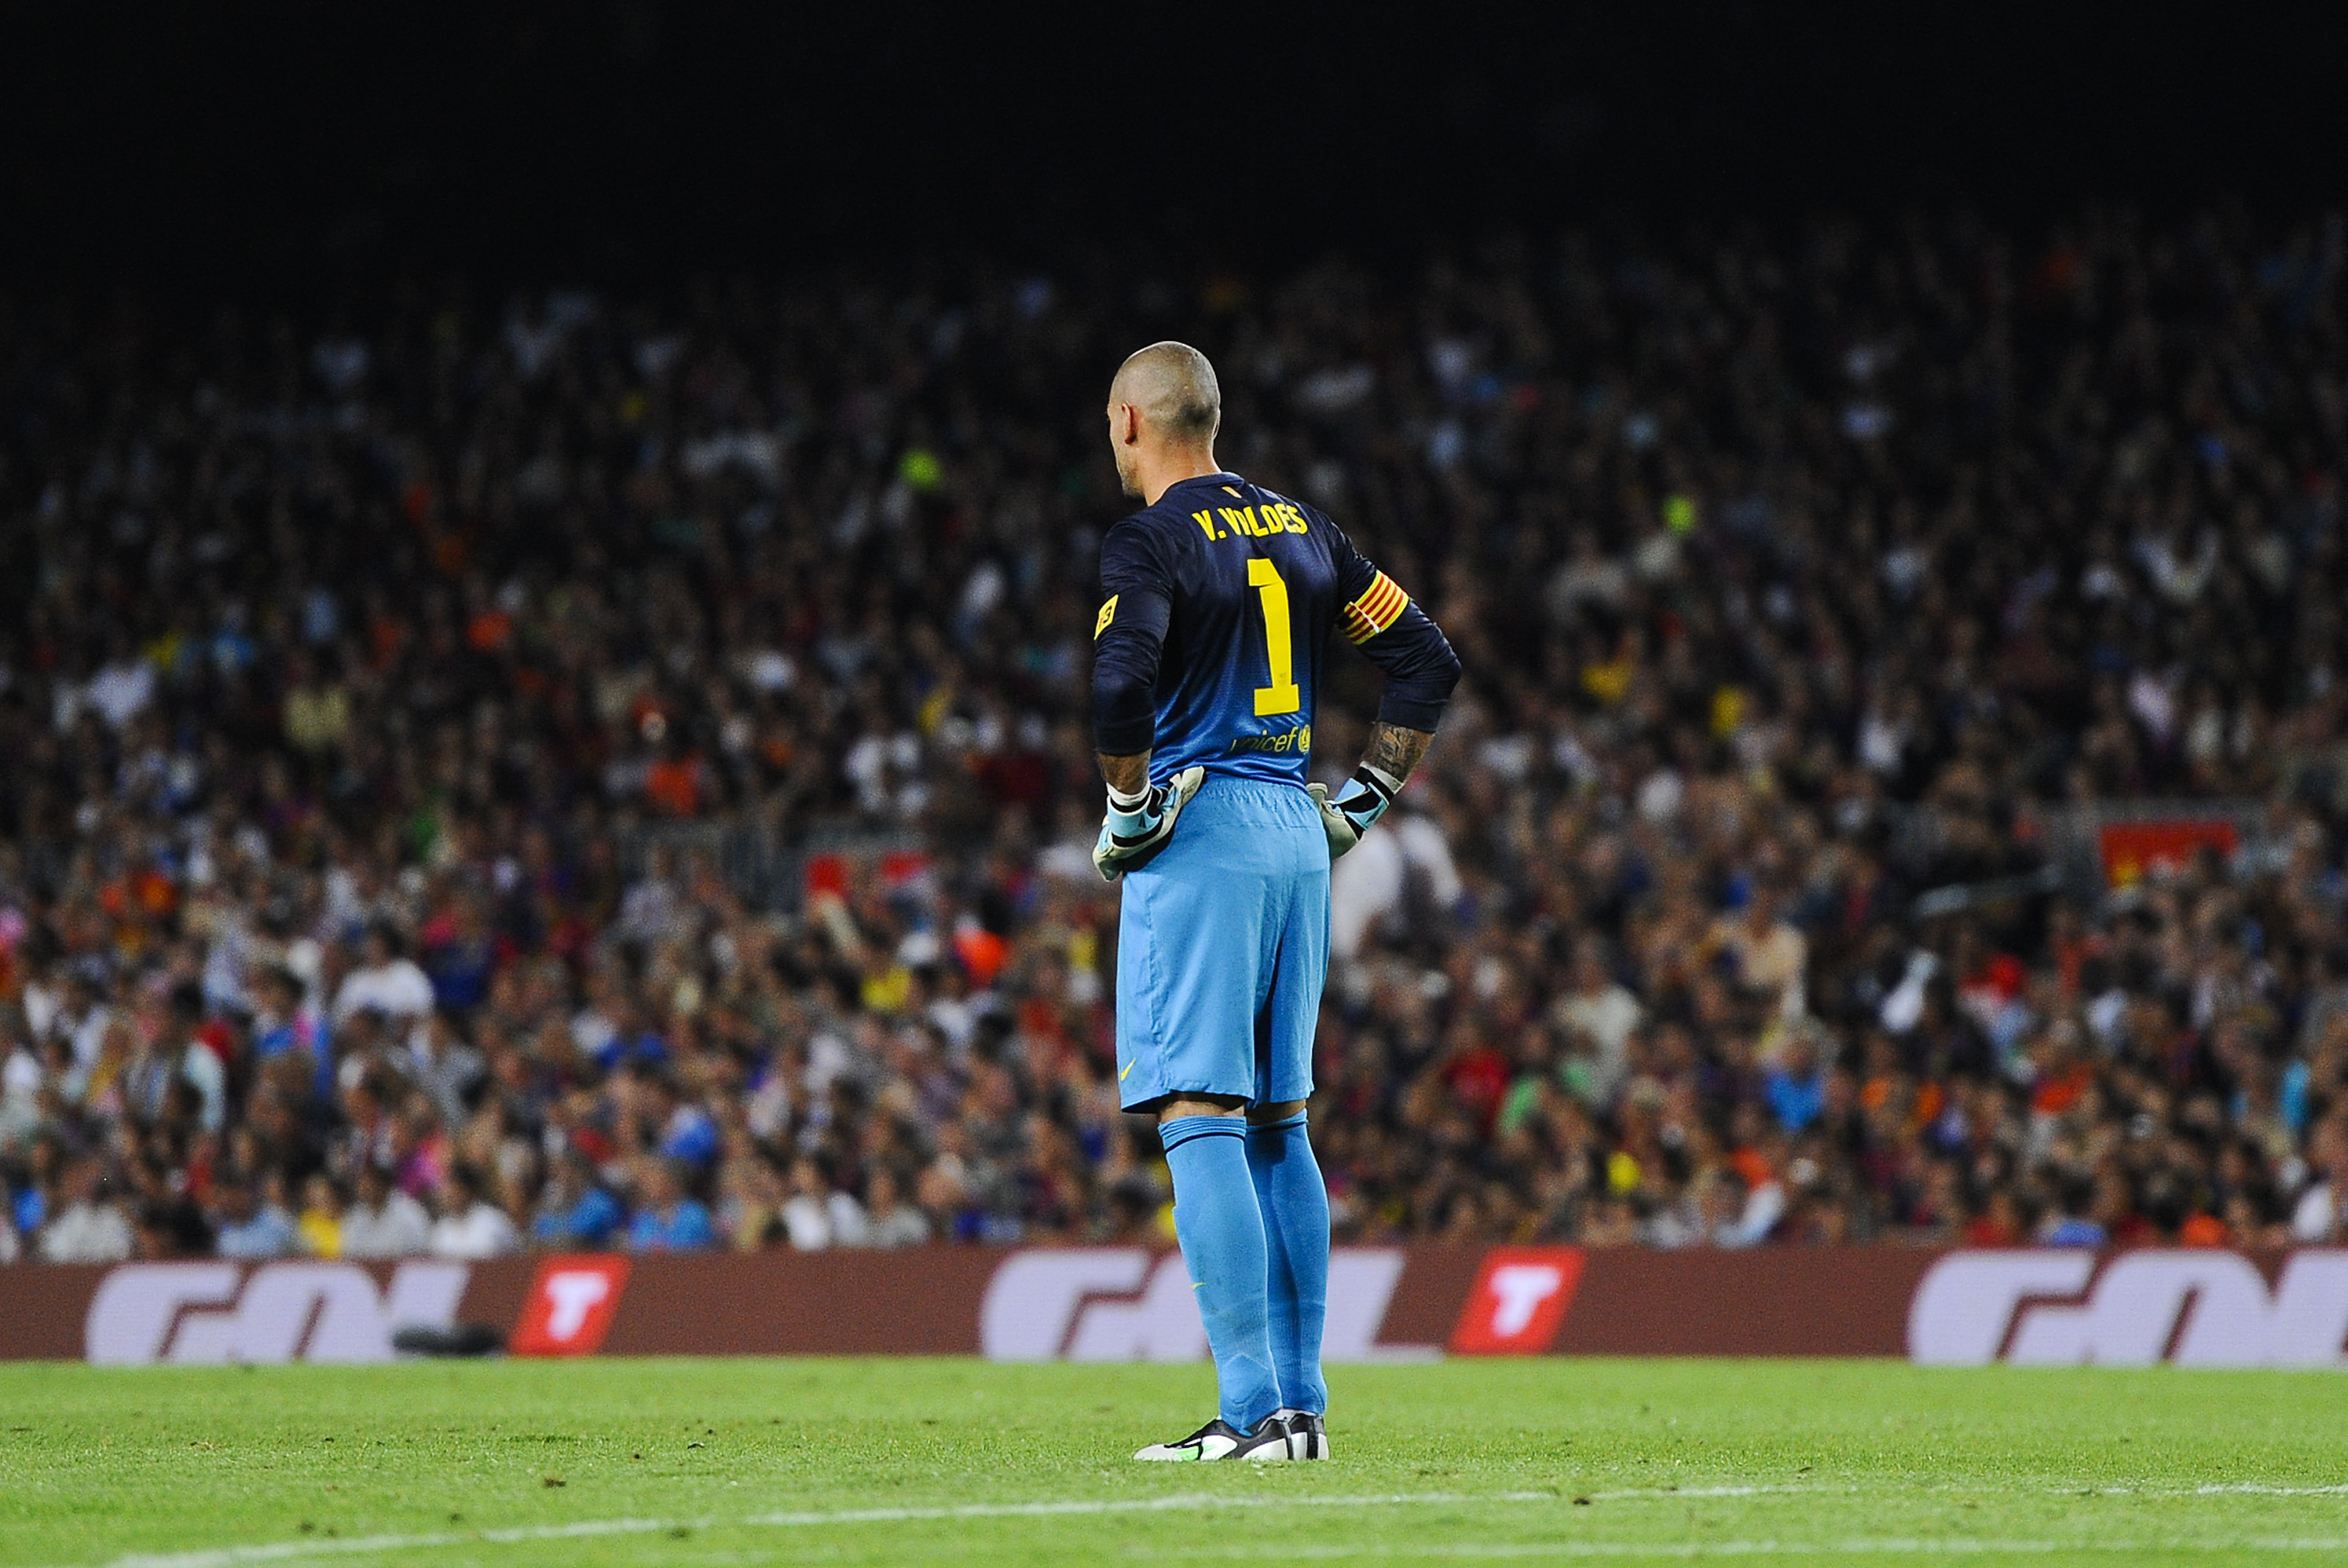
{"x": 754, "y": 1461}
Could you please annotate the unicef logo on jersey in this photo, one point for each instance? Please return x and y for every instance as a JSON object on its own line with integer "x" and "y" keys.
{"x": 1294, "y": 741}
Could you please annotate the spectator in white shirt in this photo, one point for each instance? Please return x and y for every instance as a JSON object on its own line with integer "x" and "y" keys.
{"x": 445, "y": 1067}
{"x": 388, "y": 981}
{"x": 816, "y": 1217}
{"x": 81, "y": 1017}
{"x": 254, "y": 1226}
{"x": 89, "y": 1228}
{"x": 1602, "y": 1012}
{"x": 384, "y": 1222}
{"x": 2316, "y": 1219}
{"x": 470, "y": 1226}
{"x": 123, "y": 687}
{"x": 197, "y": 1063}
{"x": 895, "y": 1222}
{"x": 1369, "y": 886}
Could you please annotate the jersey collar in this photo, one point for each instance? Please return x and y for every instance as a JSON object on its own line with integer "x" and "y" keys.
{"x": 1220, "y": 477}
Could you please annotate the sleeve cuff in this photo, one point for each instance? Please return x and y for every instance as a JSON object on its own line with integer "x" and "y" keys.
{"x": 1411, "y": 710}
{"x": 1124, "y": 736}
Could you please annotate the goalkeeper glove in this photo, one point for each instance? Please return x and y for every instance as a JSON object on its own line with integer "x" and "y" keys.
{"x": 1365, "y": 799}
{"x": 1138, "y": 826}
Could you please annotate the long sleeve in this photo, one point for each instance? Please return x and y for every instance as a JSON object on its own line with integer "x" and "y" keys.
{"x": 1128, "y": 638}
{"x": 1399, "y": 637}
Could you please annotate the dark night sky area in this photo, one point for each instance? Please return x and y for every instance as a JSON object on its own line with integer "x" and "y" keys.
{"x": 305, "y": 151}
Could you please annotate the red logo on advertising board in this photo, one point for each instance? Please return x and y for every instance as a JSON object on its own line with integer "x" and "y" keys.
{"x": 1519, "y": 1302}
{"x": 570, "y": 1305}
{"x": 2132, "y": 851}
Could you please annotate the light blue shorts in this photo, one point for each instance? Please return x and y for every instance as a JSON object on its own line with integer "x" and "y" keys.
{"x": 1222, "y": 949}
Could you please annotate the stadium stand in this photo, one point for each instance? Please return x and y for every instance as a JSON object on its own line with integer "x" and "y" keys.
{"x": 592, "y": 772}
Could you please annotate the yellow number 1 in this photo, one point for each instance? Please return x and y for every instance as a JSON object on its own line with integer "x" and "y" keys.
{"x": 1281, "y": 695}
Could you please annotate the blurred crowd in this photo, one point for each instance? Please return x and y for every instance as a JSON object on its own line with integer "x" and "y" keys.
{"x": 574, "y": 772}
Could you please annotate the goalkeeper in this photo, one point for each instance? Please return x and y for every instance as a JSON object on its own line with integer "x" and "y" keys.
{"x": 1218, "y": 600}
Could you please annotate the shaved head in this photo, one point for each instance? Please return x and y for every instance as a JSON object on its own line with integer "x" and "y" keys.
{"x": 1175, "y": 389}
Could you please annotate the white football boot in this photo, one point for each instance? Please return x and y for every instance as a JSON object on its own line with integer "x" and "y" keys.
{"x": 1308, "y": 1435}
{"x": 1218, "y": 1439}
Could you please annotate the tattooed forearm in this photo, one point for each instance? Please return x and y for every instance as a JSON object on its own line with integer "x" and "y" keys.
{"x": 1396, "y": 751}
{"x": 1128, "y": 775}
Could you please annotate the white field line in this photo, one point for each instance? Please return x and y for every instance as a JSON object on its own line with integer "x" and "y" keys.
{"x": 365, "y": 1545}
{"x": 1684, "y": 1551}
{"x": 2131, "y": 1489}
{"x": 362, "y": 1545}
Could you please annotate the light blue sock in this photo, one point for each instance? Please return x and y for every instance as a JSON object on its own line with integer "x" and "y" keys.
{"x": 1221, "y": 1229}
{"x": 1295, "y": 1205}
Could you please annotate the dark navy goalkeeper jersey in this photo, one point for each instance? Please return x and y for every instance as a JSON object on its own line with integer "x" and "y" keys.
{"x": 1217, "y": 606}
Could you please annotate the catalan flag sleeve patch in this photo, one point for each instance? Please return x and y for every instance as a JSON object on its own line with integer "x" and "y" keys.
{"x": 1379, "y": 606}
{"x": 1107, "y": 614}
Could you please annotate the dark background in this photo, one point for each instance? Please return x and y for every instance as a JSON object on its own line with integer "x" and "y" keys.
{"x": 308, "y": 152}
